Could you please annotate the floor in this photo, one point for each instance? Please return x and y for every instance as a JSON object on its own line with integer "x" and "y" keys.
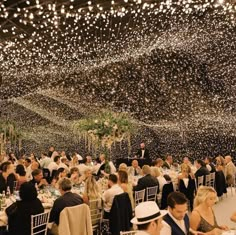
{"x": 225, "y": 208}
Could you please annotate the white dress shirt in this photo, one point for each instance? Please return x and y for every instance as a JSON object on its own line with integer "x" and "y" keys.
{"x": 109, "y": 194}
{"x": 166, "y": 229}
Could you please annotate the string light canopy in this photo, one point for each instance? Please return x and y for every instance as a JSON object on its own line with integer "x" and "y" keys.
{"x": 47, "y": 40}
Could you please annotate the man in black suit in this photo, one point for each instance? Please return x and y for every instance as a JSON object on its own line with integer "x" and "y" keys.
{"x": 67, "y": 199}
{"x": 201, "y": 170}
{"x": 147, "y": 180}
{"x": 168, "y": 162}
{"x": 143, "y": 152}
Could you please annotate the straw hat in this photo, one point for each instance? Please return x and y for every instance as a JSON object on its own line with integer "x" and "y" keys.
{"x": 146, "y": 212}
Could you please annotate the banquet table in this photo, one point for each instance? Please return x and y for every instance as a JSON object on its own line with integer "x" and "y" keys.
{"x": 128, "y": 161}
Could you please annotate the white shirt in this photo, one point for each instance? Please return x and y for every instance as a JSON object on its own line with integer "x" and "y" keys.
{"x": 166, "y": 229}
{"x": 109, "y": 194}
{"x": 52, "y": 166}
{"x": 44, "y": 162}
{"x": 141, "y": 233}
{"x": 63, "y": 165}
{"x": 28, "y": 173}
{"x": 142, "y": 153}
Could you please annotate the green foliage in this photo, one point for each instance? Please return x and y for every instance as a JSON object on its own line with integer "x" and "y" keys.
{"x": 105, "y": 128}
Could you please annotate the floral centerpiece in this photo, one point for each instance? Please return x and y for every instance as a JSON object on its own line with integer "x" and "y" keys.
{"x": 9, "y": 136}
{"x": 105, "y": 128}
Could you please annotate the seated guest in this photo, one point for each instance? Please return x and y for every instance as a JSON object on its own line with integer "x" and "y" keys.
{"x": 75, "y": 160}
{"x": 159, "y": 163}
{"x": 91, "y": 190}
{"x": 74, "y": 176}
{"x": 106, "y": 167}
{"x": 54, "y": 165}
{"x": 67, "y": 199}
{"x": 203, "y": 217}
{"x": 230, "y": 171}
{"x": 161, "y": 180}
{"x": 108, "y": 196}
{"x": 176, "y": 221}
{"x": 148, "y": 218}
{"x": 135, "y": 169}
{"x": 7, "y": 177}
{"x": 201, "y": 169}
{"x": 45, "y": 160}
{"x": 147, "y": 180}
{"x": 21, "y": 175}
{"x": 126, "y": 185}
{"x": 209, "y": 164}
{"x": 168, "y": 162}
{"x": 19, "y": 213}
{"x": 61, "y": 173}
{"x": 38, "y": 179}
{"x": 123, "y": 167}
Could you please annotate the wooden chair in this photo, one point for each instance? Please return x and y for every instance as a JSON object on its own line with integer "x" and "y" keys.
{"x": 151, "y": 193}
{"x": 212, "y": 181}
{"x": 208, "y": 180}
{"x": 95, "y": 207}
{"x": 139, "y": 197}
{"x": 128, "y": 233}
{"x": 39, "y": 223}
{"x": 199, "y": 181}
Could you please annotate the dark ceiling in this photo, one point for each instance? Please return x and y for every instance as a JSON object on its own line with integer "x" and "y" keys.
{"x": 171, "y": 61}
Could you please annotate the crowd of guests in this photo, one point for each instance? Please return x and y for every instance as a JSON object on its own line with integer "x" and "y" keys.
{"x": 62, "y": 172}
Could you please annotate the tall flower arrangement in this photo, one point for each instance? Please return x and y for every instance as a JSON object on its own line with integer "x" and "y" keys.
{"x": 9, "y": 136}
{"x": 105, "y": 129}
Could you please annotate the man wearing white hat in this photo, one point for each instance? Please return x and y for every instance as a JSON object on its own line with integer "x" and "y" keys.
{"x": 148, "y": 218}
{"x": 176, "y": 221}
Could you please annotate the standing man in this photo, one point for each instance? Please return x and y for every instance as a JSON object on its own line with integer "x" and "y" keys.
{"x": 176, "y": 221}
{"x": 148, "y": 218}
{"x": 143, "y": 152}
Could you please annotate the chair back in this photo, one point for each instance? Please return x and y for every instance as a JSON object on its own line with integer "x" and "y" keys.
{"x": 200, "y": 180}
{"x": 39, "y": 223}
{"x": 75, "y": 220}
{"x": 95, "y": 207}
{"x": 128, "y": 233}
{"x": 208, "y": 180}
{"x": 166, "y": 190}
{"x": 139, "y": 197}
{"x": 212, "y": 180}
{"x": 151, "y": 193}
{"x": 15, "y": 186}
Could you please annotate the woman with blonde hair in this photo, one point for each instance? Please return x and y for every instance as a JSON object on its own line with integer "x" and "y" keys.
{"x": 126, "y": 185}
{"x": 91, "y": 190}
{"x": 203, "y": 217}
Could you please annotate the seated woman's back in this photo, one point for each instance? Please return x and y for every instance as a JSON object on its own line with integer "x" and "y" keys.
{"x": 19, "y": 213}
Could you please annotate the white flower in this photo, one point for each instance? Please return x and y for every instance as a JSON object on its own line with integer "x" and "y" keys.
{"x": 106, "y": 123}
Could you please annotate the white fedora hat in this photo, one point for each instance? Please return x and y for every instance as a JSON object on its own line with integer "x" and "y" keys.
{"x": 146, "y": 212}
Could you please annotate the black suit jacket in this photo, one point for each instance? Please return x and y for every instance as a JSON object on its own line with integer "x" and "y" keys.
{"x": 120, "y": 214}
{"x": 19, "y": 216}
{"x": 146, "y": 153}
{"x": 67, "y": 200}
{"x": 146, "y": 181}
{"x": 165, "y": 165}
